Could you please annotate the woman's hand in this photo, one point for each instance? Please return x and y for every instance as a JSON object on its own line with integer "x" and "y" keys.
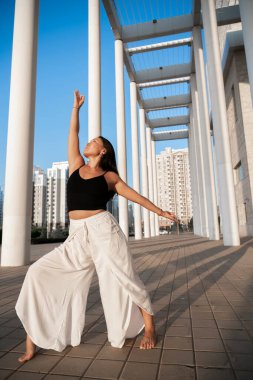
{"x": 78, "y": 99}
{"x": 170, "y": 215}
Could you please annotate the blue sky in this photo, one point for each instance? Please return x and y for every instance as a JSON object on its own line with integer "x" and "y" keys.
{"x": 62, "y": 67}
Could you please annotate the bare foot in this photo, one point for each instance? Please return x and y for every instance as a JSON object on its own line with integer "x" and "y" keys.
{"x": 149, "y": 340}
{"x": 30, "y": 351}
{"x": 27, "y": 356}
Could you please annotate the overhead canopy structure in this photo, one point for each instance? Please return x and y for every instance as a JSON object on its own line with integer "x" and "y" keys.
{"x": 181, "y": 26}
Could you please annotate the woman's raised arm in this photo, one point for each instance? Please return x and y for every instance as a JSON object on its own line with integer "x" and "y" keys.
{"x": 73, "y": 140}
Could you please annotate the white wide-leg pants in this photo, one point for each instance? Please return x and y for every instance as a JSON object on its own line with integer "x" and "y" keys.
{"x": 52, "y": 301}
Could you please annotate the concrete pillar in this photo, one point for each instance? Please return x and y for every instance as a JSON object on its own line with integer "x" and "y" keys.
{"x": 155, "y": 185}
{"x": 17, "y": 214}
{"x": 94, "y": 80}
{"x": 220, "y": 126}
{"x": 246, "y": 11}
{"x": 199, "y": 151}
{"x": 205, "y": 137}
{"x": 135, "y": 159}
{"x": 150, "y": 179}
{"x": 121, "y": 131}
{"x": 194, "y": 178}
{"x": 144, "y": 170}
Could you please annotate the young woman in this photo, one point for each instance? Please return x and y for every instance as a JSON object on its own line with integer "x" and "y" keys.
{"x": 52, "y": 301}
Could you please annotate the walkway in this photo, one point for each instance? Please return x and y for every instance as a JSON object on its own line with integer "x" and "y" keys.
{"x": 202, "y": 295}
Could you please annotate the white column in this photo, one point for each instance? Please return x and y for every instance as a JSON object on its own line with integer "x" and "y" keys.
{"x": 220, "y": 126}
{"x": 194, "y": 178}
{"x": 121, "y": 131}
{"x": 144, "y": 170}
{"x": 199, "y": 151}
{"x": 205, "y": 137}
{"x": 155, "y": 185}
{"x": 150, "y": 180}
{"x": 135, "y": 159}
{"x": 94, "y": 81}
{"x": 246, "y": 11}
{"x": 17, "y": 215}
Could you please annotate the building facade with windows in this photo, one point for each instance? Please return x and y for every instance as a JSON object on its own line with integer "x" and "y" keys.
{"x": 240, "y": 124}
{"x": 173, "y": 180}
{"x": 39, "y": 197}
{"x": 56, "y": 199}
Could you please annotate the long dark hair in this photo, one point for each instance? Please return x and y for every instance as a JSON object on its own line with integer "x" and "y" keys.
{"x": 108, "y": 160}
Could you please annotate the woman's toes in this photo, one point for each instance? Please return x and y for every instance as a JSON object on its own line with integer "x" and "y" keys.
{"x": 26, "y": 357}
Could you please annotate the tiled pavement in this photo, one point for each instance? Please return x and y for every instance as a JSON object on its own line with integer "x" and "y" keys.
{"x": 202, "y": 294}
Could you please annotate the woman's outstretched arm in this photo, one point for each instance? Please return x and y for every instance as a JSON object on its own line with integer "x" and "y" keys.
{"x": 127, "y": 192}
{"x": 73, "y": 139}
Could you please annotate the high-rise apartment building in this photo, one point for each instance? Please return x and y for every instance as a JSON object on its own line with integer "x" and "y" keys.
{"x": 173, "y": 180}
{"x": 56, "y": 200}
{"x": 39, "y": 197}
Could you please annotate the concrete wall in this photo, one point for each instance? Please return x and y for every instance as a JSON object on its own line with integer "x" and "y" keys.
{"x": 240, "y": 121}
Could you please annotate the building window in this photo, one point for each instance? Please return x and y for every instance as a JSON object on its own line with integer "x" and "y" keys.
{"x": 238, "y": 172}
{"x": 234, "y": 102}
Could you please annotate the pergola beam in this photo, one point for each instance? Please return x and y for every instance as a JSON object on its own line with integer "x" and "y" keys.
{"x": 170, "y": 135}
{"x": 169, "y": 121}
{"x": 163, "y": 72}
{"x": 175, "y": 25}
{"x": 164, "y": 82}
{"x": 182, "y": 100}
{"x": 160, "y": 46}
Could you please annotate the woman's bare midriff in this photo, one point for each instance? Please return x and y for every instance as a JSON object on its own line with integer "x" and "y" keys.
{"x": 80, "y": 214}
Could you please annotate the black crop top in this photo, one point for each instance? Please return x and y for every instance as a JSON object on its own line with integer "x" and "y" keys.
{"x": 87, "y": 194}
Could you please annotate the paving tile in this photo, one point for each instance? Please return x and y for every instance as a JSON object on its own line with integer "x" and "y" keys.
{"x": 178, "y": 331}
{"x": 105, "y": 369}
{"x": 202, "y": 315}
{"x": 229, "y": 324}
{"x": 6, "y": 344}
{"x": 84, "y": 350}
{"x": 60, "y": 377}
{"x": 40, "y": 363}
{"x": 10, "y": 361}
{"x": 112, "y": 353}
{"x": 71, "y": 366}
{"x": 235, "y": 334}
{"x": 212, "y": 359}
{"x": 94, "y": 338}
{"x": 239, "y": 346}
{"x": 138, "y": 371}
{"x": 4, "y": 373}
{"x": 241, "y": 361}
{"x": 14, "y": 322}
{"x": 176, "y": 372}
{"x": 18, "y": 333}
{"x": 3, "y": 320}
{"x": 178, "y": 342}
{"x": 26, "y": 376}
{"x": 207, "y": 344}
{"x": 179, "y": 322}
{"x": 210, "y": 323}
{"x": 223, "y": 315}
{"x": 183, "y": 357}
{"x": 148, "y": 356}
{"x": 202, "y": 332}
{"x": 215, "y": 374}
{"x": 200, "y": 308}
{"x": 44, "y": 351}
{"x": 244, "y": 375}
{"x": 4, "y": 330}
